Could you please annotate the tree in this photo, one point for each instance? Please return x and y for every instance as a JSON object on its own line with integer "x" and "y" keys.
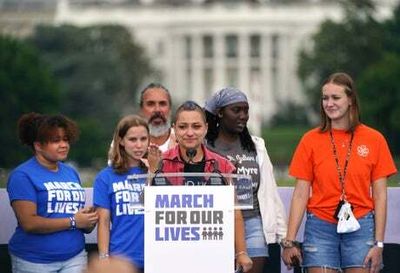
{"x": 370, "y": 52}
{"x": 380, "y": 87}
{"x": 349, "y": 45}
{"x": 26, "y": 85}
{"x": 381, "y": 97}
{"x": 99, "y": 69}
{"x": 290, "y": 114}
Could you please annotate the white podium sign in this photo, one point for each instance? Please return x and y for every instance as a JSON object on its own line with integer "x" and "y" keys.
{"x": 189, "y": 229}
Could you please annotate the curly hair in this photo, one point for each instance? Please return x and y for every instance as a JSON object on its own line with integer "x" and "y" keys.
{"x": 34, "y": 127}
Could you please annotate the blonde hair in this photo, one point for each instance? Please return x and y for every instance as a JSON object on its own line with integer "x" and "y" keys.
{"x": 117, "y": 154}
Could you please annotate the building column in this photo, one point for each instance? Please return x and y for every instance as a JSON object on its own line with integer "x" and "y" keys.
{"x": 178, "y": 66}
{"x": 295, "y": 85}
{"x": 197, "y": 69}
{"x": 244, "y": 62}
{"x": 267, "y": 93}
{"x": 283, "y": 68}
{"x": 219, "y": 61}
{"x": 169, "y": 58}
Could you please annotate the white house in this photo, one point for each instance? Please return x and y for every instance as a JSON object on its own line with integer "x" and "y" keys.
{"x": 200, "y": 46}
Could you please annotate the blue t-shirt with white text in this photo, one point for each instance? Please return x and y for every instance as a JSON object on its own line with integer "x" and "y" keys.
{"x": 121, "y": 194}
{"x": 57, "y": 194}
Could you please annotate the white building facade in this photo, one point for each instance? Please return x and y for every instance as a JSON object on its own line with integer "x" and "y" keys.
{"x": 197, "y": 49}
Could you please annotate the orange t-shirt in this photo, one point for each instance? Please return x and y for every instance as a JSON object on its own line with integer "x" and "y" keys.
{"x": 313, "y": 161}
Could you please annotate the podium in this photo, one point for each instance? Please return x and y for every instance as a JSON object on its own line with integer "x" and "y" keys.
{"x": 191, "y": 228}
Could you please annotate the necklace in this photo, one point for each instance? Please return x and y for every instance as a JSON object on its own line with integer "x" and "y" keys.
{"x": 341, "y": 176}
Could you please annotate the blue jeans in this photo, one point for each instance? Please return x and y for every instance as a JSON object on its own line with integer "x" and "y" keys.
{"x": 74, "y": 265}
{"x": 255, "y": 240}
{"x": 324, "y": 247}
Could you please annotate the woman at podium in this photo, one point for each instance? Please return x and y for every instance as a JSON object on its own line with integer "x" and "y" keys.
{"x": 191, "y": 156}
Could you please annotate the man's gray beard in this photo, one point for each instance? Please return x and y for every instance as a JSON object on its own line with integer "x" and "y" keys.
{"x": 160, "y": 130}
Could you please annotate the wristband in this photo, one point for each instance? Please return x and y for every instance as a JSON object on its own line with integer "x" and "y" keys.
{"x": 289, "y": 243}
{"x": 103, "y": 256}
{"x": 379, "y": 244}
{"x": 72, "y": 223}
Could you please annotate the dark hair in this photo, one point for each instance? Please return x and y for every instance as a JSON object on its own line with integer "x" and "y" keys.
{"x": 34, "y": 127}
{"x": 190, "y": 105}
{"x": 151, "y": 86}
{"x": 213, "y": 129}
{"x": 344, "y": 80}
{"x": 117, "y": 153}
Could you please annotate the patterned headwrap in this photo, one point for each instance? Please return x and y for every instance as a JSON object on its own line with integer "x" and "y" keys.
{"x": 224, "y": 97}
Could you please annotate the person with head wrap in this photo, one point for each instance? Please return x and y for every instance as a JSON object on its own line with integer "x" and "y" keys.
{"x": 227, "y": 114}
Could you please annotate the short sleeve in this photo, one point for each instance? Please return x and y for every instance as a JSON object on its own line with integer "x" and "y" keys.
{"x": 20, "y": 187}
{"x": 301, "y": 165}
{"x": 101, "y": 197}
{"x": 384, "y": 166}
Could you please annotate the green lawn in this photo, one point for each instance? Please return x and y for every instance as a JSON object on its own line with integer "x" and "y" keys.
{"x": 88, "y": 176}
{"x": 280, "y": 143}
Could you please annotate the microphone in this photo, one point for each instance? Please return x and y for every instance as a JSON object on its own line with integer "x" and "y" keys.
{"x": 191, "y": 153}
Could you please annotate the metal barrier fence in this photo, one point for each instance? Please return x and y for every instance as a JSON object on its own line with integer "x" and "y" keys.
{"x": 8, "y": 221}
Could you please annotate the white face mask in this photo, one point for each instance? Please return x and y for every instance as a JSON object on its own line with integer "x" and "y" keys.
{"x": 347, "y": 222}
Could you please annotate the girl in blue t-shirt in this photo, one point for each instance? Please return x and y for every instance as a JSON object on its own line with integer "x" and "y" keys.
{"x": 118, "y": 192}
{"x": 48, "y": 200}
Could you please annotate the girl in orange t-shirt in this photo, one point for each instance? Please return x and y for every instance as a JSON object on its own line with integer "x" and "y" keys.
{"x": 341, "y": 160}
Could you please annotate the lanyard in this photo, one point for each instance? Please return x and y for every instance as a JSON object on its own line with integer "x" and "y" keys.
{"x": 341, "y": 177}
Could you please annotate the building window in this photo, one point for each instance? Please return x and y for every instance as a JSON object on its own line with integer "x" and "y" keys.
{"x": 231, "y": 46}
{"x": 188, "y": 78}
{"x": 255, "y": 76}
{"x": 275, "y": 46}
{"x": 160, "y": 48}
{"x": 255, "y": 46}
{"x": 208, "y": 46}
{"x": 188, "y": 47}
{"x": 232, "y": 76}
{"x": 208, "y": 81}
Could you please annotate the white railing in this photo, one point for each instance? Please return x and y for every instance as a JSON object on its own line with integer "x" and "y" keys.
{"x": 8, "y": 221}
